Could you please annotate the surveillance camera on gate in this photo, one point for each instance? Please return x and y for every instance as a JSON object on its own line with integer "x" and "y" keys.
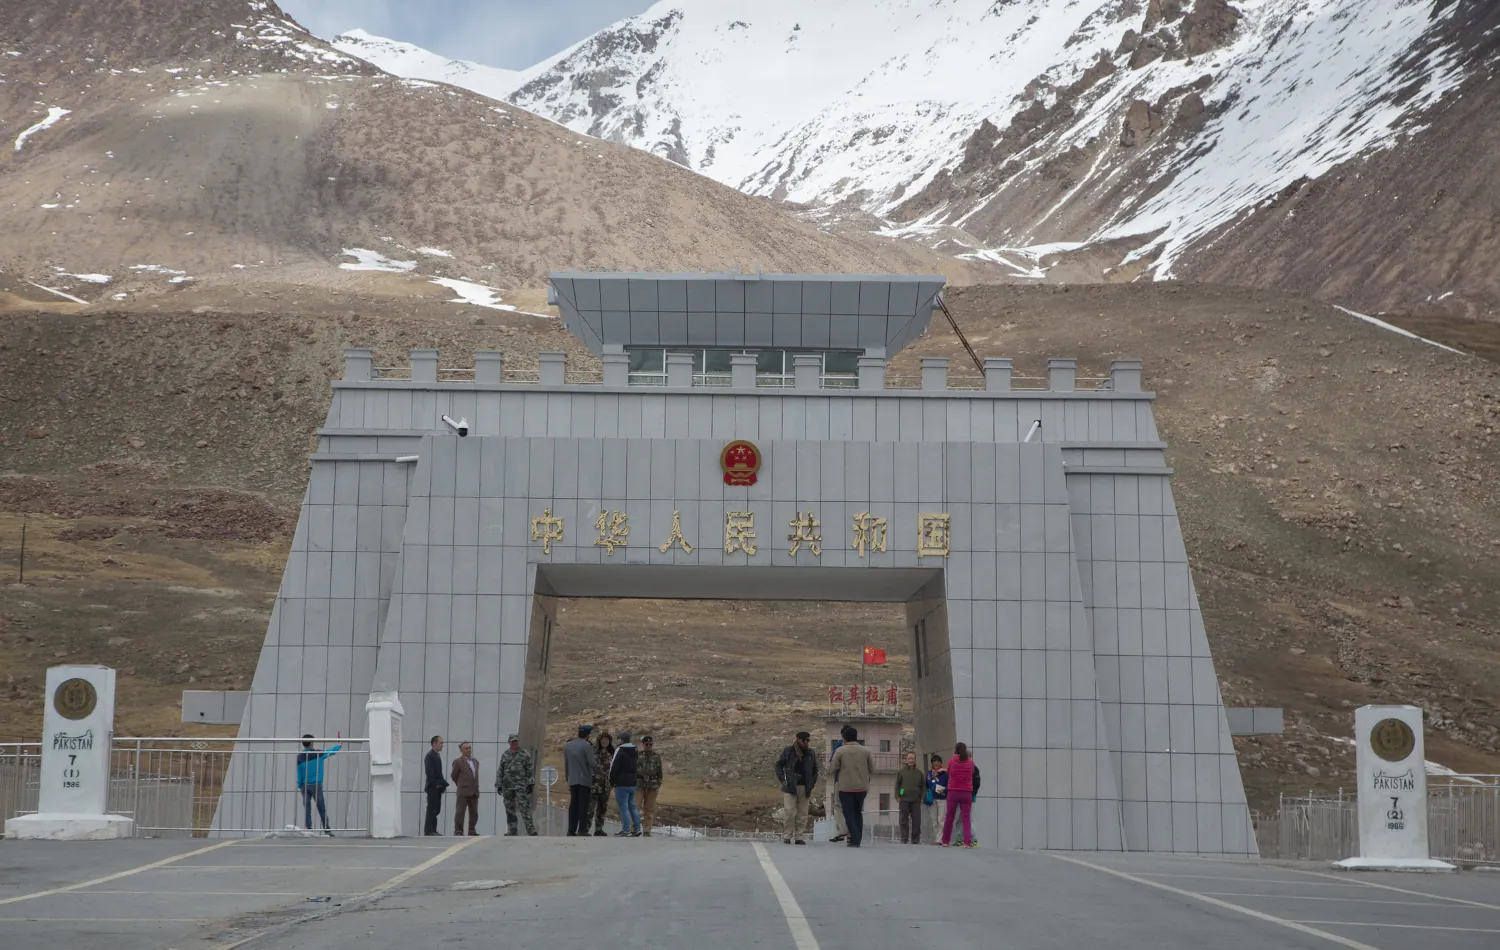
{"x": 461, "y": 426}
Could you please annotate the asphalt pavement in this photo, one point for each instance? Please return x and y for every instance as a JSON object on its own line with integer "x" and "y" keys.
{"x": 672, "y": 894}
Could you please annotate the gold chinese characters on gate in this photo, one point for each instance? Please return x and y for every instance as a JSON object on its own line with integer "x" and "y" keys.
{"x": 741, "y": 462}
{"x": 868, "y": 533}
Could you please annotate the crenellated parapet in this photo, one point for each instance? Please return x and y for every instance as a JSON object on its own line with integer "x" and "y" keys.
{"x": 808, "y": 375}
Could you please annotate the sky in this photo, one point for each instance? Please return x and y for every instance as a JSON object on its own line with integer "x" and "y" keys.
{"x": 511, "y": 34}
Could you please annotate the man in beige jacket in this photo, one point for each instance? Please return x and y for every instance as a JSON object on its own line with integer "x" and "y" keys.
{"x": 851, "y": 768}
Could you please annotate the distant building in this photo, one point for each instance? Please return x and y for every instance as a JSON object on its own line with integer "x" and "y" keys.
{"x": 882, "y": 736}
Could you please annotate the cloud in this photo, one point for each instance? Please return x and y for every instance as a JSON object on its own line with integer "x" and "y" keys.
{"x": 511, "y": 34}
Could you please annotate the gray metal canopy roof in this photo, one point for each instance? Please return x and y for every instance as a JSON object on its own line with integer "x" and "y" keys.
{"x": 878, "y": 313}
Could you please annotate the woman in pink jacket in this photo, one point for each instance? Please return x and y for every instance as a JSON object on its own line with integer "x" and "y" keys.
{"x": 960, "y": 793}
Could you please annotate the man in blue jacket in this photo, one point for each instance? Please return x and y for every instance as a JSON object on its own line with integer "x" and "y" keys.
{"x": 310, "y": 781}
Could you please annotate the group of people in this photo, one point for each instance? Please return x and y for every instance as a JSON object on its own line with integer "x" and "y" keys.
{"x": 599, "y": 768}
{"x": 595, "y": 769}
{"x": 945, "y": 787}
{"x": 515, "y": 781}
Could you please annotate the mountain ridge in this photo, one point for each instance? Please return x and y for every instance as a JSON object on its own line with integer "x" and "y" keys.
{"x": 987, "y": 128}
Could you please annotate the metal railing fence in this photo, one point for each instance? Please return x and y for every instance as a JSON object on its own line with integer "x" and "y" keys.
{"x": 1463, "y": 824}
{"x": 184, "y": 787}
{"x": 20, "y": 778}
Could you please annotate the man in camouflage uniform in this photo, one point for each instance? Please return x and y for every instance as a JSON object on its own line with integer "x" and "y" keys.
{"x": 514, "y": 780}
{"x": 604, "y": 751}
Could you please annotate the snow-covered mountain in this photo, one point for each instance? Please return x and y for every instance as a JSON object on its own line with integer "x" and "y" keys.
{"x": 1007, "y": 130}
{"x": 414, "y": 62}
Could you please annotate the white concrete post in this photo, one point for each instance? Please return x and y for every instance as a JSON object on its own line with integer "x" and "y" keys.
{"x": 424, "y": 366}
{"x": 807, "y": 370}
{"x": 1062, "y": 374}
{"x": 742, "y": 370}
{"x": 383, "y": 712}
{"x": 872, "y": 372}
{"x": 358, "y": 364}
{"x": 78, "y": 726}
{"x": 934, "y": 373}
{"x": 679, "y": 370}
{"x": 489, "y": 367}
{"x": 1125, "y": 376}
{"x": 997, "y": 374}
{"x": 553, "y": 368}
{"x": 1390, "y": 765}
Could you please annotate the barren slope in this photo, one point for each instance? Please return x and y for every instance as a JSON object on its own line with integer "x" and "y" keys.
{"x": 161, "y": 140}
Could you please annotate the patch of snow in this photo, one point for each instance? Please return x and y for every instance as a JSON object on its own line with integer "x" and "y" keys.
{"x": 413, "y": 62}
{"x": 89, "y": 278}
{"x": 1395, "y": 329}
{"x": 433, "y": 252}
{"x": 473, "y": 294}
{"x": 365, "y": 259}
{"x": 54, "y": 113}
{"x": 179, "y": 280}
{"x": 155, "y": 269}
{"x": 49, "y": 207}
{"x": 120, "y": 296}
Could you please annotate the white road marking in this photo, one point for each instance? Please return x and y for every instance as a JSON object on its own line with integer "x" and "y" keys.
{"x": 287, "y": 867}
{"x": 117, "y": 875}
{"x": 1251, "y": 880}
{"x": 109, "y": 920}
{"x": 1362, "y": 923}
{"x": 1258, "y": 915}
{"x": 1399, "y": 890}
{"x": 89, "y": 893}
{"x": 410, "y": 873}
{"x": 374, "y": 892}
{"x": 1340, "y": 900}
{"x": 320, "y": 846}
{"x": 796, "y": 921}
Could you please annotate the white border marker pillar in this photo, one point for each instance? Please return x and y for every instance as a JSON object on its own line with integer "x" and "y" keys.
{"x": 1391, "y": 768}
{"x": 78, "y": 727}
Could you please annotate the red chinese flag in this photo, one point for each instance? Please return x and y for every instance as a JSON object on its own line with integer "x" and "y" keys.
{"x": 874, "y": 656}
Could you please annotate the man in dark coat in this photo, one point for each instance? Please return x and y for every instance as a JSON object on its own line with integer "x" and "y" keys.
{"x": 578, "y": 765}
{"x": 797, "y": 773}
{"x": 435, "y": 785}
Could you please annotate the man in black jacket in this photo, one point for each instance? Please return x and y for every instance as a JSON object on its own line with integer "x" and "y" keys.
{"x": 623, "y": 778}
{"x": 797, "y": 773}
{"x": 435, "y": 784}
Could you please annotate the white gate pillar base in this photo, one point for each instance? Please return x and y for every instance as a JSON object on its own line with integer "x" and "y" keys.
{"x": 65, "y": 827}
{"x": 384, "y": 712}
{"x": 1391, "y": 766}
{"x": 1393, "y": 864}
{"x": 78, "y": 726}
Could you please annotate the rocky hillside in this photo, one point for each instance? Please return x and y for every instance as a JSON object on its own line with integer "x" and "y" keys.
{"x": 1336, "y": 484}
{"x": 1171, "y": 138}
{"x": 152, "y": 145}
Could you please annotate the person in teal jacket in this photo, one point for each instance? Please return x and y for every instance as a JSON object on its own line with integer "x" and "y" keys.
{"x": 310, "y": 781}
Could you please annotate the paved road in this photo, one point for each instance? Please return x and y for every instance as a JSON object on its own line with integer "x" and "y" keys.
{"x": 686, "y": 895}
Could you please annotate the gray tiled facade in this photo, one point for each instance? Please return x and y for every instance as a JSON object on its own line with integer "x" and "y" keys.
{"x": 1060, "y": 637}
